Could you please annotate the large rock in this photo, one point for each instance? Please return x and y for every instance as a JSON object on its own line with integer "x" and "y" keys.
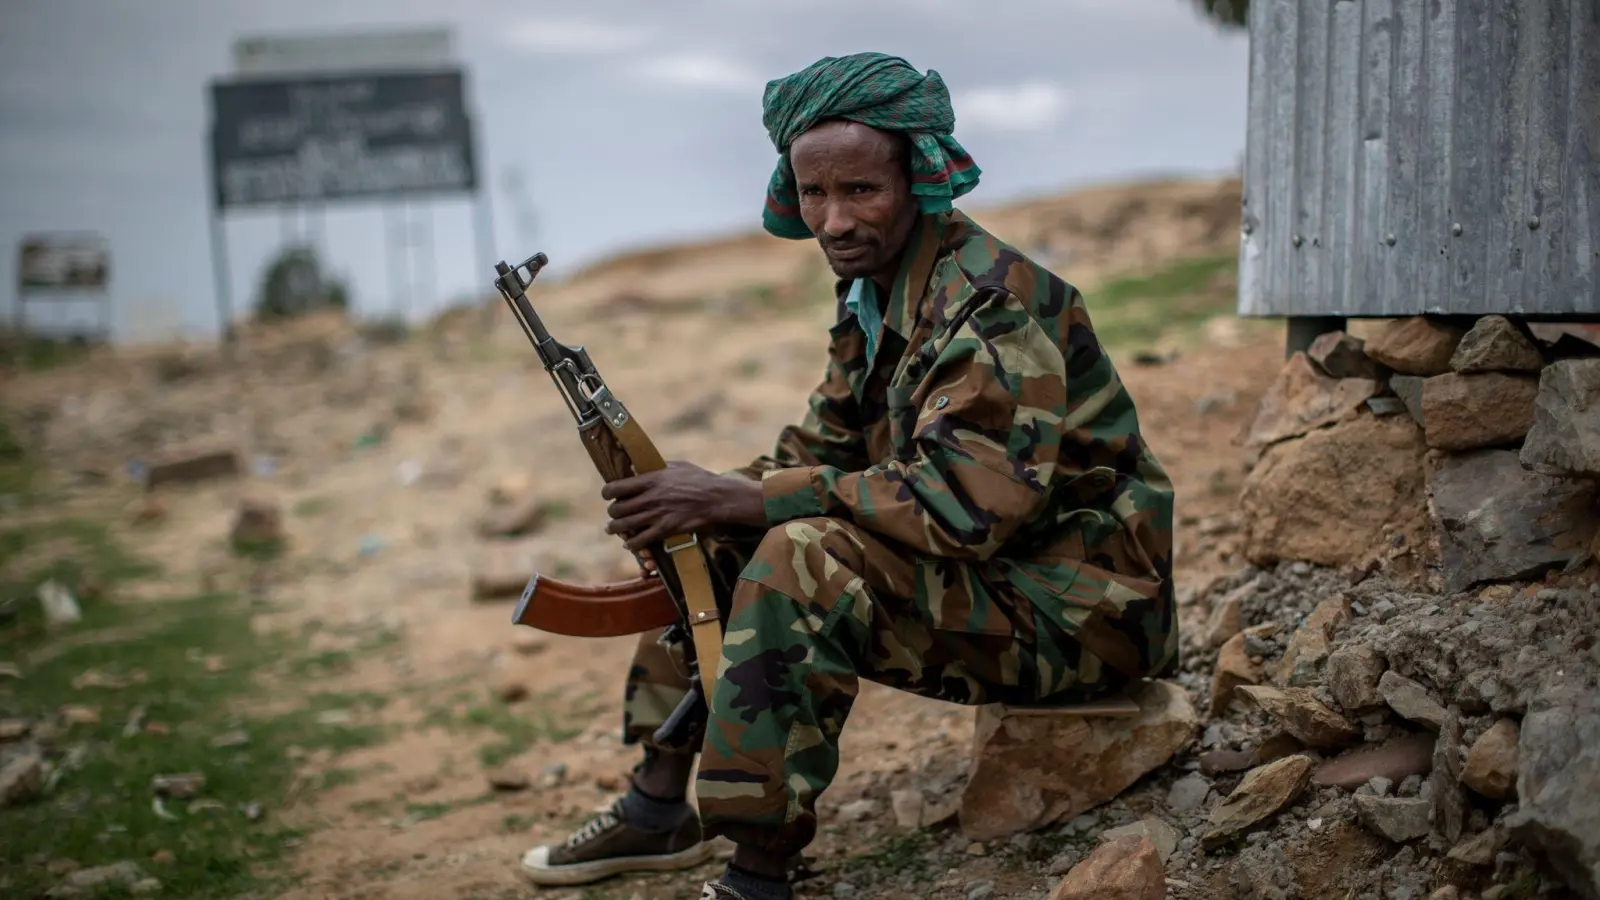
{"x": 502, "y": 572}
{"x": 1565, "y": 436}
{"x": 1411, "y": 700}
{"x": 258, "y": 521}
{"x": 1399, "y": 819}
{"x": 1235, "y": 668}
{"x": 1353, "y": 673}
{"x": 1342, "y": 356}
{"x": 1494, "y": 344}
{"x": 1557, "y": 783}
{"x": 192, "y": 463}
{"x": 1299, "y": 712}
{"x": 1029, "y": 770}
{"x": 1409, "y": 389}
{"x": 21, "y": 779}
{"x": 1124, "y": 868}
{"x": 1497, "y": 521}
{"x": 1465, "y": 412}
{"x": 1481, "y": 848}
{"x": 1227, "y": 616}
{"x": 1303, "y": 399}
{"x": 1419, "y": 345}
{"x": 520, "y": 516}
{"x": 1327, "y": 497}
{"x": 1491, "y": 766}
{"x": 1163, "y": 836}
{"x": 1308, "y": 647}
{"x": 1259, "y": 797}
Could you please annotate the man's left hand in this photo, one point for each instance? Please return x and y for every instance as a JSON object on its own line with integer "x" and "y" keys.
{"x": 680, "y": 499}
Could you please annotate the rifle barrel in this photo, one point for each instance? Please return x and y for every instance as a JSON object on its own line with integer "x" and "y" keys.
{"x": 556, "y": 358}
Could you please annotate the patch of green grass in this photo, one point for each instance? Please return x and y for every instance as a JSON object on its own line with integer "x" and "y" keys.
{"x": 370, "y": 700}
{"x": 516, "y": 823}
{"x": 11, "y": 449}
{"x": 342, "y": 660}
{"x": 375, "y": 806}
{"x": 1138, "y": 310}
{"x": 159, "y": 715}
{"x": 516, "y": 728}
{"x": 261, "y": 551}
{"x": 422, "y": 812}
{"x": 333, "y": 778}
{"x": 902, "y": 853}
{"x": 1047, "y": 845}
{"x": 328, "y": 662}
{"x": 311, "y": 506}
{"x": 391, "y": 329}
{"x": 80, "y": 555}
{"x": 36, "y": 352}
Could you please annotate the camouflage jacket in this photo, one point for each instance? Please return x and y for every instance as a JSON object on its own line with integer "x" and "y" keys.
{"x": 992, "y": 429}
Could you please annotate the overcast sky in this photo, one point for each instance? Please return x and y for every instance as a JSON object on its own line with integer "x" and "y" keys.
{"x": 626, "y": 122}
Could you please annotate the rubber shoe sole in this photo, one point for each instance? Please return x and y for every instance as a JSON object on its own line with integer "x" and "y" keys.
{"x": 536, "y": 867}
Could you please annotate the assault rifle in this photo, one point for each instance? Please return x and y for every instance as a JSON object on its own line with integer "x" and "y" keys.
{"x": 677, "y": 595}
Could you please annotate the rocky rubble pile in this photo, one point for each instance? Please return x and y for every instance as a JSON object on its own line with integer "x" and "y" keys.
{"x": 1442, "y": 724}
{"x": 1399, "y": 696}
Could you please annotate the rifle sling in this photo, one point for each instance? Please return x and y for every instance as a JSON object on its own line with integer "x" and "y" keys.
{"x": 704, "y": 620}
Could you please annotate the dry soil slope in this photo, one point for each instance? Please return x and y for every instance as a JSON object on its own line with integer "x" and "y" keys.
{"x": 1087, "y": 235}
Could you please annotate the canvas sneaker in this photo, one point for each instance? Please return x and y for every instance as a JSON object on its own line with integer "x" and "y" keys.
{"x": 716, "y": 890}
{"x": 607, "y": 845}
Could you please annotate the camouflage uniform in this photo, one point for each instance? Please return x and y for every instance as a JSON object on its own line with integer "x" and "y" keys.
{"x": 971, "y": 516}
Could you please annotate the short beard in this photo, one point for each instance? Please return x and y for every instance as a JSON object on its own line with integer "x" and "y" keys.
{"x": 855, "y": 268}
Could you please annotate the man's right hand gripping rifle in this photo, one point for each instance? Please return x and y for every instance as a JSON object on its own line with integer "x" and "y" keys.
{"x": 659, "y": 508}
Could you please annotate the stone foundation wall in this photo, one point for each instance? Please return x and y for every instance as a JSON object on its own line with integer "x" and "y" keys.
{"x": 1467, "y": 449}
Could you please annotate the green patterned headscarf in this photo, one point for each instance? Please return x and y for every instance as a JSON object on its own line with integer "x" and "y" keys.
{"x": 874, "y": 89}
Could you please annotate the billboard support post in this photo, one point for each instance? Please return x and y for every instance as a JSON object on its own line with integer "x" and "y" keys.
{"x": 483, "y": 231}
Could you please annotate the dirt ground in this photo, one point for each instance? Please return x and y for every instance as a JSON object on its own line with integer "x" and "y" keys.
{"x": 381, "y": 529}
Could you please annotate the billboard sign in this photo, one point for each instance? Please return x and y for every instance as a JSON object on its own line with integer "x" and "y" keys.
{"x": 65, "y": 262}
{"x": 332, "y": 137}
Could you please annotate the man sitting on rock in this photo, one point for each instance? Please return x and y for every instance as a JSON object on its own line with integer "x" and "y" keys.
{"x": 968, "y": 511}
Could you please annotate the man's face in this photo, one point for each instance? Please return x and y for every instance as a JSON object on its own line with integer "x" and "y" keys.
{"x": 854, "y": 197}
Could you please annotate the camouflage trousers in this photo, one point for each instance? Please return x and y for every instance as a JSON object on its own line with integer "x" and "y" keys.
{"x": 816, "y": 604}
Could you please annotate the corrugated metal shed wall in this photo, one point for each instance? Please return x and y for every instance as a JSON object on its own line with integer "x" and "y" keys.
{"x": 1422, "y": 156}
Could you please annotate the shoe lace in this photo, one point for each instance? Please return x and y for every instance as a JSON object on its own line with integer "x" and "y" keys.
{"x": 595, "y": 827}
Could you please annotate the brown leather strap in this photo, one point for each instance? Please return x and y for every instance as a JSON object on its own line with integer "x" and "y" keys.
{"x": 687, "y": 560}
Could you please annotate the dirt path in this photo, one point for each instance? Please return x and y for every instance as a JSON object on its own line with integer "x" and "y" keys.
{"x": 383, "y": 458}
{"x": 377, "y": 584}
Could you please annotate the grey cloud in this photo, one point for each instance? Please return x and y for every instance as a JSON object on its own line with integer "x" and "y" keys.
{"x": 631, "y": 122}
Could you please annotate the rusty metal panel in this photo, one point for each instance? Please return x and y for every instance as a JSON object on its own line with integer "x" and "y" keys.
{"x": 1410, "y": 157}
